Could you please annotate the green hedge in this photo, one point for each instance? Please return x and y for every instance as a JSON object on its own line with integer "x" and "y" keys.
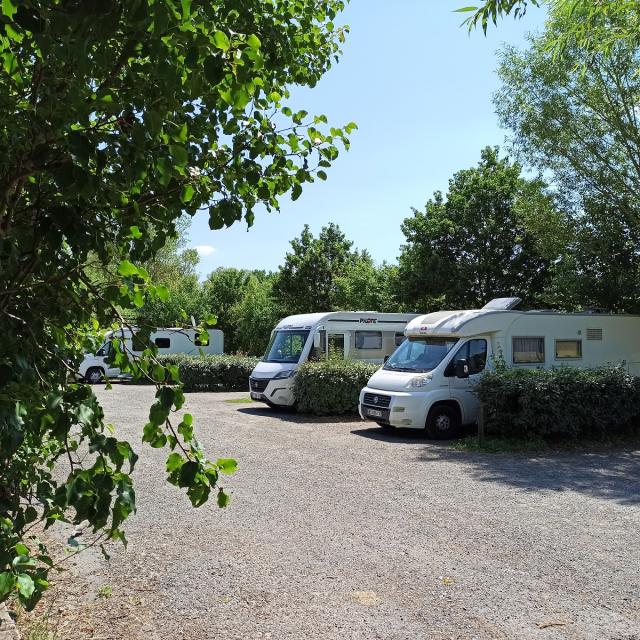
{"x": 212, "y": 373}
{"x": 331, "y": 387}
{"x": 567, "y": 402}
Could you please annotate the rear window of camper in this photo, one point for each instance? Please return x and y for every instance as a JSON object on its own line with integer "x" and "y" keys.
{"x": 528, "y": 350}
{"x": 163, "y": 343}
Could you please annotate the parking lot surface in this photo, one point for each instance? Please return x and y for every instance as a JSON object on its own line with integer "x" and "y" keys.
{"x": 339, "y": 530}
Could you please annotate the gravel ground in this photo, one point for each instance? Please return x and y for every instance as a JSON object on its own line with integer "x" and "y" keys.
{"x": 338, "y": 530}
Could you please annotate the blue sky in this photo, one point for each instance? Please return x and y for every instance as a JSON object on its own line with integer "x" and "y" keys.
{"x": 419, "y": 87}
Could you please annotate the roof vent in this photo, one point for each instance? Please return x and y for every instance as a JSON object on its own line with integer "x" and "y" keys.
{"x": 503, "y": 303}
{"x": 594, "y": 334}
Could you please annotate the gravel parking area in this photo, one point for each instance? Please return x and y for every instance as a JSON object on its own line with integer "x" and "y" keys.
{"x": 339, "y": 530}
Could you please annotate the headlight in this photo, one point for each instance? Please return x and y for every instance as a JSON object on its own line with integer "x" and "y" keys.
{"x": 420, "y": 381}
{"x": 285, "y": 374}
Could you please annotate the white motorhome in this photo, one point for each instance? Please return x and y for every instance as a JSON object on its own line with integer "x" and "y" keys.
{"x": 96, "y": 367}
{"x": 358, "y": 335}
{"x": 428, "y": 382}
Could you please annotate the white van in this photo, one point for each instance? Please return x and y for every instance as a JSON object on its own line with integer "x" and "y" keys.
{"x": 358, "y": 335}
{"x": 428, "y": 382}
{"x": 96, "y": 367}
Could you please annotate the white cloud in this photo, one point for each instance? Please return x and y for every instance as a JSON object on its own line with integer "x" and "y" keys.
{"x": 204, "y": 249}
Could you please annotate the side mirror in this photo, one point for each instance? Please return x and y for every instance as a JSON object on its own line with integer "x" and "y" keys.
{"x": 462, "y": 368}
{"x": 100, "y": 352}
{"x": 316, "y": 340}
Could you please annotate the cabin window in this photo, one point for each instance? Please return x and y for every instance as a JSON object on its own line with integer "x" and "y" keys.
{"x": 399, "y": 339}
{"x": 568, "y": 349}
{"x": 528, "y": 350}
{"x": 475, "y": 353}
{"x": 368, "y": 339}
{"x": 163, "y": 343}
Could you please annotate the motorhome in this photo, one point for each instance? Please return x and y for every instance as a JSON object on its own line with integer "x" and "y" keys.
{"x": 359, "y": 335}
{"x": 428, "y": 382}
{"x": 96, "y": 367}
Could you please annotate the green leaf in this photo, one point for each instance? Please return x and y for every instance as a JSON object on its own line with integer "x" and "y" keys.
{"x": 179, "y": 154}
{"x": 296, "y": 191}
{"x": 221, "y": 40}
{"x": 7, "y": 582}
{"x": 21, "y": 549}
{"x": 127, "y": 269}
{"x": 253, "y": 41}
{"x": 162, "y": 292}
{"x": 223, "y": 498}
{"x": 135, "y": 232}
{"x": 25, "y": 584}
{"x": 465, "y": 9}
{"x": 9, "y": 9}
{"x": 227, "y": 465}
{"x": 187, "y": 193}
{"x": 174, "y": 462}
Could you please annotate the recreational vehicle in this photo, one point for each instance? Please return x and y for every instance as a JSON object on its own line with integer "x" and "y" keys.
{"x": 96, "y": 367}
{"x": 357, "y": 335}
{"x": 428, "y": 382}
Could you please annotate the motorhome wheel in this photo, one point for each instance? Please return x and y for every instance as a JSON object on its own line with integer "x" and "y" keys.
{"x": 443, "y": 422}
{"x": 94, "y": 375}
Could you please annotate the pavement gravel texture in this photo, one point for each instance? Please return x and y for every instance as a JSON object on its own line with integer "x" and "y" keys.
{"x": 339, "y": 530}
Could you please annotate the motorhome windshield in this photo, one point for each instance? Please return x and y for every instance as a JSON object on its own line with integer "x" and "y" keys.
{"x": 286, "y": 346}
{"x": 419, "y": 354}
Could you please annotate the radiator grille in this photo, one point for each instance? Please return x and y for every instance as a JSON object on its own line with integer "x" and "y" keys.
{"x": 258, "y": 384}
{"x": 377, "y": 400}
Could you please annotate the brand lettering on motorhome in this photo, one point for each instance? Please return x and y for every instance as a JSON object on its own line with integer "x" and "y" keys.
{"x": 368, "y": 320}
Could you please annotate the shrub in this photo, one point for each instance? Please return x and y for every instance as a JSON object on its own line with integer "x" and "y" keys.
{"x": 568, "y": 402}
{"x": 212, "y": 373}
{"x": 331, "y": 387}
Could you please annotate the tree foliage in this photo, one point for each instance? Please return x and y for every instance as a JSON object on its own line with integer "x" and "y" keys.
{"x": 117, "y": 117}
{"x": 475, "y": 244}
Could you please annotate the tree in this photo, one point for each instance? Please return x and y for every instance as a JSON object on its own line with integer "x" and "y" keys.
{"x": 593, "y": 27}
{"x": 224, "y": 288}
{"x": 255, "y": 315}
{"x": 475, "y": 244}
{"x": 308, "y": 281}
{"x": 117, "y": 118}
{"x": 367, "y": 287}
{"x": 581, "y": 126}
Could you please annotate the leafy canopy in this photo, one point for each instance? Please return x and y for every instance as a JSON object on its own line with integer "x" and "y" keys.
{"x": 117, "y": 117}
{"x": 478, "y": 243}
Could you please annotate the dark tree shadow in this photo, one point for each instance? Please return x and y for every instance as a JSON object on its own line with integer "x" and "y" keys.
{"x": 611, "y": 474}
{"x": 291, "y": 415}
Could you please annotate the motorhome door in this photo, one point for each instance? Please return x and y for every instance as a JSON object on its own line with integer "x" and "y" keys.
{"x": 474, "y": 352}
{"x": 338, "y": 344}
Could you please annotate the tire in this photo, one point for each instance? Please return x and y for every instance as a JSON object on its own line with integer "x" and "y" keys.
{"x": 443, "y": 423}
{"x": 95, "y": 375}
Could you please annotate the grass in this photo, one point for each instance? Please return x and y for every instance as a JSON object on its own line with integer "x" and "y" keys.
{"x": 239, "y": 401}
{"x": 105, "y": 591}
{"x": 471, "y": 444}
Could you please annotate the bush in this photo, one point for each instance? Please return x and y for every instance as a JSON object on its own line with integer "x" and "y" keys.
{"x": 567, "y": 402}
{"x": 212, "y": 373}
{"x": 331, "y": 387}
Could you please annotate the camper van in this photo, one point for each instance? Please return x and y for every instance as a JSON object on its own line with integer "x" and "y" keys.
{"x": 95, "y": 367}
{"x": 357, "y": 335}
{"x": 428, "y": 382}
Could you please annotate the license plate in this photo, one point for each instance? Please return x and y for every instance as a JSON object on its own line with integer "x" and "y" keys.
{"x": 256, "y": 396}
{"x": 374, "y": 413}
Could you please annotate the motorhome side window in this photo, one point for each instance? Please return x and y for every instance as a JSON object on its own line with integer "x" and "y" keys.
{"x": 528, "y": 350}
{"x": 568, "y": 349}
{"x": 475, "y": 353}
{"x": 368, "y": 339}
{"x": 163, "y": 343}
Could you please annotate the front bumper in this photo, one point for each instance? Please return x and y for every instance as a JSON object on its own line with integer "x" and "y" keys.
{"x": 278, "y": 391}
{"x": 408, "y": 410}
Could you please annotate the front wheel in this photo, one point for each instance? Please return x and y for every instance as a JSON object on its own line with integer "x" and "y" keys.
{"x": 443, "y": 423}
{"x": 94, "y": 375}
